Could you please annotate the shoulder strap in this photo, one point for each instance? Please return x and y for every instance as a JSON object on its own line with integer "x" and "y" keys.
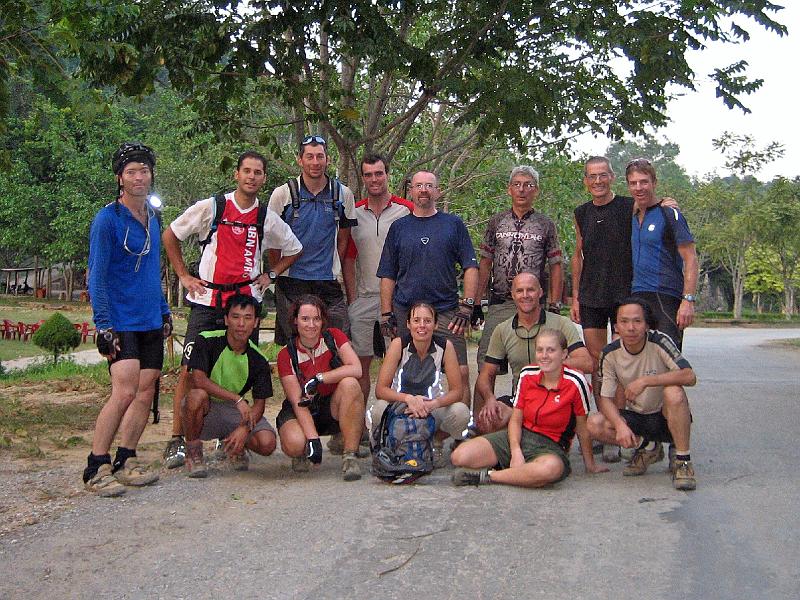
{"x": 260, "y": 219}
{"x": 336, "y": 362}
{"x": 336, "y": 187}
{"x": 294, "y": 193}
{"x": 219, "y": 208}
{"x": 668, "y": 236}
{"x": 292, "y": 349}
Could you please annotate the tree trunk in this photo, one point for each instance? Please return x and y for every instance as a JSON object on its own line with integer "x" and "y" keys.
{"x": 69, "y": 276}
{"x": 788, "y": 299}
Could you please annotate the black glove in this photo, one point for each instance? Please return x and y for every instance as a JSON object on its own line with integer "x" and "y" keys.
{"x": 311, "y": 386}
{"x": 314, "y": 451}
{"x": 378, "y": 343}
{"x": 463, "y": 316}
{"x": 166, "y": 327}
{"x": 555, "y": 307}
{"x": 107, "y": 342}
{"x": 389, "y": 325}
{"x": 478, "y": 317}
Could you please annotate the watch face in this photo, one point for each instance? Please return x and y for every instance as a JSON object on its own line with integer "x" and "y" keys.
{"x": 272, "y": 275}
{"x": 469, "y": 301}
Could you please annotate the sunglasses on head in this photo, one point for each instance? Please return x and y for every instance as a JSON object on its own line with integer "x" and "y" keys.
{"x": 314, "y": 139}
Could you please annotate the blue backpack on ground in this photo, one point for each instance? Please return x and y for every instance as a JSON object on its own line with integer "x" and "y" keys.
{"x": 402, "y": 446}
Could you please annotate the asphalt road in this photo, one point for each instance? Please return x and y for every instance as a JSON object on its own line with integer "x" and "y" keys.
{"x": 270, "y": 533}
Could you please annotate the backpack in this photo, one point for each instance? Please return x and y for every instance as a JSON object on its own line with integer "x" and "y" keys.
{"x": 294, "y": 192}
{"x": 402, "y": 445}
{"x": 219, "y": 208}
{"x": 668, "y": 236}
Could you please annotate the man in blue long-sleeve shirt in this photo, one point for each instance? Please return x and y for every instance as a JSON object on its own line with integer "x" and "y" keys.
{"x": 132, "y": 319}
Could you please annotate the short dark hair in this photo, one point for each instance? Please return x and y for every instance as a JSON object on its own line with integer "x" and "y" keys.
{"x": 593, "y": 160}
{"x": 641, "y": 165}
{"x": 312, "y": 140}
{"x": 370, "y": 158}
{"x": 312, "y": 300}
{"x": 251, "y": 154}
{"x": 649, "y": 316}
{"x": 240, "y": 300}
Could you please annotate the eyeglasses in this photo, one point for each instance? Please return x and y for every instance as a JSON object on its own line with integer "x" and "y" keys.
{"x": 527, "y": 185}
{"x": 599, "y": 177}
{"x": 314, "y": 139}
{"x": 145, "y": 248}
{"x": 424, "y": 186}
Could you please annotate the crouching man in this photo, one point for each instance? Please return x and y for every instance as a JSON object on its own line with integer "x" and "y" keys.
{"x": 224, "y": 366}
{"x": 652, "y": 372}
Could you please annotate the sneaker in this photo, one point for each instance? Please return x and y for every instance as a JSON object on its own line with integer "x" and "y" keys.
{"x": 351, "y": 471}
{"x": 611, "y": 453}
{"x": 104, "y": 483}
{"x": 470, "y": 476}
{"x": 175, "y": 453}
{"x": 683, "y": 475}
{"x": 301, "y": 464}
{"x": 439, "y": 459}
{"x": 241, "y": 462}
{"x": 197, "y": 468}
{"x": 134, "y": 473}
{"x": 336, "y": 444}
{"x": 643, "y": 459}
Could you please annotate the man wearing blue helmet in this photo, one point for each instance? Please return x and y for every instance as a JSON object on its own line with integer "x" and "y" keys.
{"x": 132, "y": 319}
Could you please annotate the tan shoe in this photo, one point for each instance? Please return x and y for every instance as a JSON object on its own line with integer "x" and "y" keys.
{"x": 351, "y": 470}
{"x": 643, "y": 459}
{"x": 683, "y": 476}
{"x": 196, "y": 466}
{"x": 135, "y": 474}
{"x": 104, "y": 483}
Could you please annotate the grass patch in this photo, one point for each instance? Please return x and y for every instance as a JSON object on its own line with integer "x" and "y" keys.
{"x": 11, "y": 349}
{"x": 29, "y": 421}
{"x": 64, "y": 369}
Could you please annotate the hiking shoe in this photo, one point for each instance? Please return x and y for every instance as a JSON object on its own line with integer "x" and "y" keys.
{"x": 197, "y": 468}
{"x": 219, "y": 454}
{"x": 672, "y": 452}
{"x": 301, "y": 464}
{"x": 611, "y": 453}
{"x": 241, "y": 462}
{"x": 643, "y": 459}
{"x": 683, "y": 475}
{"x": 351, "y": 471}
{"x": 471, "y": 476}
{"x": 104, "y": 484}
{"x": 135, "y": 474}
{"x": 175, "y": 453}
{"x": 336, "y": 444}
{"x": 439, "y": 459}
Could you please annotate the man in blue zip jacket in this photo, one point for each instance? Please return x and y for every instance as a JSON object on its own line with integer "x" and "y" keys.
{"x": 132, "y": 319}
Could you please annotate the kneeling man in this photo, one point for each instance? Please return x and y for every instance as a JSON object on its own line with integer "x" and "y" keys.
{"x": 652, "y": 372}
{"x": 224, "y": 366}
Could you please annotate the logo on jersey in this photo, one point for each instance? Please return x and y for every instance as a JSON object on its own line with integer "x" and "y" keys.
{"x": 425, "y": 240}
{"x": 237, "y": 230}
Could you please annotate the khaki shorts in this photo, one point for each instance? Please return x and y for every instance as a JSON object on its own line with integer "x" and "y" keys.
{"x": 223, "y": 418}
{"x": 459, "y": 342}
{"x": 364, "y": 312}
{"x": 533, "y": 446}
{"x": 495, "y": 314}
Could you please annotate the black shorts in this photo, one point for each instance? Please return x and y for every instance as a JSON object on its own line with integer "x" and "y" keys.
{"x": 593, "y": 317}
{"x": 320, "y": 410}
{"x": 652, "y": 427}
{"x": 665, "y": 310}
{"x": 145, "y": 346}
{"x": 204, "y": 318}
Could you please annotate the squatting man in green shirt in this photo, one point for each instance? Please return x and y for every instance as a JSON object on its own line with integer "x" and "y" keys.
{"x": 224, "y": 366}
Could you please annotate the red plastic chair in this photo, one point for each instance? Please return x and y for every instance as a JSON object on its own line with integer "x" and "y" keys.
{"x": 9, "y": 331}
{"x": 87, "y": 332}
{"x": 22, "y": 331}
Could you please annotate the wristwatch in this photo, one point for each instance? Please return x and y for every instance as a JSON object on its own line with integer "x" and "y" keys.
{"x": 469, "y": 301}
{"x": 272, "y": 275}
{"x": 319, "y": 378}
{"x": 689, "y": 297}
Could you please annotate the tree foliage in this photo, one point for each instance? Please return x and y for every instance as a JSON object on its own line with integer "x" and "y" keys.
{"x": 57, "y": 335}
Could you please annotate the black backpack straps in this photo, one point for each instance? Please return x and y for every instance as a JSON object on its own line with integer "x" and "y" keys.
{"x": 260, "y": 220}
{"x": 294, "y": 193}
{"x": 219, "y": 208}
{"x": 336, "y": 362}
{"x": 292, "y": 349}
{"x": 336, "y": 187}
{"x": 668, "y": 236}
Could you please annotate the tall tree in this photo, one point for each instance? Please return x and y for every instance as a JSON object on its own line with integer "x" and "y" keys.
{"x": 364, "y": 72}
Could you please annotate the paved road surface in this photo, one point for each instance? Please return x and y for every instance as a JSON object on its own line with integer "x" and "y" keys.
{"x": 270, "y": 533}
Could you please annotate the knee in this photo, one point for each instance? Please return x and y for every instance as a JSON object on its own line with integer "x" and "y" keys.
{"x": 351, "y": 390}
{"x": 675, "y": 397}
{"x": 293, "y": 443}
{"x": 595, "y": 424}
{"x": 552, "y": 469}
{"x": 459, "y": 455}
{"x": 265, "y": 443}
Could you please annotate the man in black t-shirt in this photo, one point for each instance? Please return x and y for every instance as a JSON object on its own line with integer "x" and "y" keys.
{"x": 602, "y": 266}
{"x": 224, "y": 366}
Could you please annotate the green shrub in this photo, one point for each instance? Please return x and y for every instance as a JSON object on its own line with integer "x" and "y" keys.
{"x": 57, "y": 335}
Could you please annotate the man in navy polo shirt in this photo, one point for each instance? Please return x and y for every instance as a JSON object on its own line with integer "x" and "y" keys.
{"x": 321, "y": 220}
{"x": 664, "y": 256}
{"x": 418, "y": 263}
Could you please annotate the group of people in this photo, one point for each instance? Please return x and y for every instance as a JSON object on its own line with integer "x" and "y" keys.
{"x": 634, "y": 268}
